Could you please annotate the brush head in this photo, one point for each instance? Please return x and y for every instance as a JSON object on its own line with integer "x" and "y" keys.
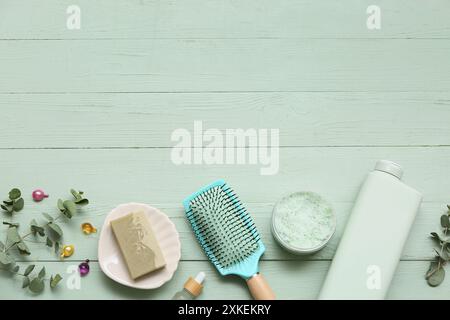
{"x": 224, "y": 229}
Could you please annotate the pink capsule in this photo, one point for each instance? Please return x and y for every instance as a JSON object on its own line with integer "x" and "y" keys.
{"x": 39, "y": 195}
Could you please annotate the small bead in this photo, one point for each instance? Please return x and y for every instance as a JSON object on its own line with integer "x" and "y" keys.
{"x": 84, "y": 268}
{"x": 67, "y": 251}
{"x": 88, "y": 228}
{"x": 39, "y": 195}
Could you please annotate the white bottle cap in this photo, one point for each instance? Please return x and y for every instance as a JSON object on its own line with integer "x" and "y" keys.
{"x": 200, "y": 277}
{"x": 389, "y": 167}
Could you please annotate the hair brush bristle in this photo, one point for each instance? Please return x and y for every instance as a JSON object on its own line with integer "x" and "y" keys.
{"x": 222, "y": 225}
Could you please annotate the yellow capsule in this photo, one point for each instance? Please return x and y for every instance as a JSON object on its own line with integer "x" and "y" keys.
{"x": 67, "y": 251}
{"x": 88, "y": 228}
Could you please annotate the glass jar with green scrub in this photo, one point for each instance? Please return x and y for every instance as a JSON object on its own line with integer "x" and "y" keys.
{"x": 303, "y": 222}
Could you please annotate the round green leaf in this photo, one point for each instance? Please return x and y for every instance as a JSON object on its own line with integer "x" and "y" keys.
{"x": 55, "y": 228}
{"x": 54, "y": 280}
{"x": 445, "y": 221}
{"x": 41, "y": 274}
{"x": 23, "y": 248}
{"x": 36, "y": 285}
{"x": 436, "y": 277}
{"x": 8, "y": 209}
{"x": 49, "y": 242}
{"x": 75, "y": 194}
{"x": 5, "y": 259}
{"x": 12, "y": 235}
{"x": 25, "y": 282}
{"x": 47, "y": 216}
{"x": 29, "y": 269}
{"x": 82, "y": 202}
{"x": 61, "y": 205}
{"x": 71, "y": 207}
{"x": 14, "y": 194}
{"x": 18, "y": 204}
{"x": 57, "y": 245}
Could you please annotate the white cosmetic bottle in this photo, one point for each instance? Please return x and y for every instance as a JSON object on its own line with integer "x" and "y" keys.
{"x": 373, "y": 240}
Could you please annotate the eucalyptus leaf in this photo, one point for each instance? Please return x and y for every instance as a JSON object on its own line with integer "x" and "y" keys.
{"x": 75, "y": 194}
{"x": 56, "y": 229}
{"x": 33, "y": 226}
{"x": 14, "y": 194}
{"x": 82, "y": 202}
{"x": 61, "y": 205}
{"x": 54, "y": 280}
{"x": 57, "y": 245}
{"x": 25, "y": 282}
{"x": 8, "y": 202}
{"x": 10, "y": 224}
{"x": 445, "y": 221}
{"x": 41, "y": 274}
{"x": 5, "y": 259}
{"x": 71, "y": 207}
{"x": 23, "y": 248}
{"x": 7, "y": 209}
{"x": 36, "y": 228}
{"x": 18, "y": 205}
{"x": 29, "y": 269}
{"x": 36, "y": 285}
{"x": 47, "y": 216}
{"x": 12, "y": 236}
{"x": 49, "y": 242}
{"x": 436, "y": 277}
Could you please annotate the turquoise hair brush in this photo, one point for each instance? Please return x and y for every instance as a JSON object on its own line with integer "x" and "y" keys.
{"x": 227, "y": 234}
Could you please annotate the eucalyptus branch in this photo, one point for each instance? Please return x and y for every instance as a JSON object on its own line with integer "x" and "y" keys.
{"x": 436, "y": 273}
{"x": 50, "y": 229}
{"x": 31, "y": 233}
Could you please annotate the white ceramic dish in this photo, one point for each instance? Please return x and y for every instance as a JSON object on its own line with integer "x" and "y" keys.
{"x": 111, "y": 260}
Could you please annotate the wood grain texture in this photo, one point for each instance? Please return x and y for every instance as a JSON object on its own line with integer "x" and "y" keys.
{"x": 25, "y": 19}
{"x": 148, "y": 120}
{"x": 94, "y": 109}
{"x": 418, "y": 247}
{"x": 222, "y": 65}
{"x": 148, "y": 175}
{"x": 289, "y": 279}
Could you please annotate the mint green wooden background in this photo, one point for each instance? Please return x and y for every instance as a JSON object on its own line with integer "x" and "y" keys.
{"x": 94, "y": 109}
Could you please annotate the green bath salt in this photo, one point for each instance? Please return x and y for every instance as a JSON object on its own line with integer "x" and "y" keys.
{"x": 303, "y": 222}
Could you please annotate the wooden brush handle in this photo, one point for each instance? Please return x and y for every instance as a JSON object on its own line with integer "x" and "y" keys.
{"x": 259, "y": 288}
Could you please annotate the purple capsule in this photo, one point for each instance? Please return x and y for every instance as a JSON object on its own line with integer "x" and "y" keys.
{"x": 83, "y": 268}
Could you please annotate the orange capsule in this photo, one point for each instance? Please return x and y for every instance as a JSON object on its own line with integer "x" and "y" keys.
{"x": 67, "y": 251}
{"x": 88, "y": 228}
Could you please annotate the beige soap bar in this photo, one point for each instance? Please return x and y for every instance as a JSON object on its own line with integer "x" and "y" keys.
{"x": 138, "y": 244}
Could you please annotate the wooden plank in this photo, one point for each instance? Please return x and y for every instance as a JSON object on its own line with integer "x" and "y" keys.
{"x": 418, "y": 247}
{"x": 115, "y": 176}
{"x": 148, "y": 176}
{"x": 222, "y": 65}
{"x": 24, "y": 19}
{"x": 290, "y": 280}
{"x": 148, "y": 120}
